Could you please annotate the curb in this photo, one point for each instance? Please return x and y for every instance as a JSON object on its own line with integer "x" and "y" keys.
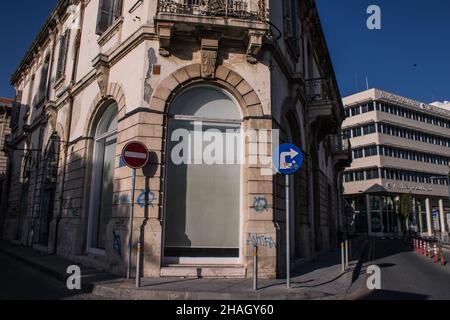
{"x": 120, "y": 293}
{"x": 140, "y": 294}
{"x": 113, "y": 290}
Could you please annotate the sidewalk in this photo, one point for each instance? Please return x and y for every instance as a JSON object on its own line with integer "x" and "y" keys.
{"x": 318, "y": 279}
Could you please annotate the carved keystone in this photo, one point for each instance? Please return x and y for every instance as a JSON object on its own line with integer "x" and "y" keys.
{"x": 209, "y": 48}
{"x": 254, "y": 46}
{"x": 165, "y": 31}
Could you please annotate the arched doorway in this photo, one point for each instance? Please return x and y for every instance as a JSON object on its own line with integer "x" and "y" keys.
{"x": 50, "y": 175}
{"x": 26, "y": 174}
{"x": 103, "y": 165}
{"x": 294, "y": 136}
{"x": 203, "y": 204}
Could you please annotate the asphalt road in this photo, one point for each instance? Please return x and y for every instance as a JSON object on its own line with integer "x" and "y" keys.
{"x": 405, "y": 275}
{"x": 21, "y": 282}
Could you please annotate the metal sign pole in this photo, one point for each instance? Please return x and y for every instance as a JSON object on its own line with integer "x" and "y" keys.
{"x": 288, "y": 235}
{"x": 130, "y": 231}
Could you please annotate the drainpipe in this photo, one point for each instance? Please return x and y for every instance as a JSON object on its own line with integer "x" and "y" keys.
{"x": 68, "y": 127}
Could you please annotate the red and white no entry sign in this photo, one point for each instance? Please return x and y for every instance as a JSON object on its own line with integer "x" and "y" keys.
{"x": 135, "y": 155}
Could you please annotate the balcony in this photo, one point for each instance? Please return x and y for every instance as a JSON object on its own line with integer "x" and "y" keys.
{"x": 241, "y": 9}
{"x": 323, "y": 113}
{"x": 342, "y": 151}
{"x": 243, "y": 20}
{"x": 318, "y": 91}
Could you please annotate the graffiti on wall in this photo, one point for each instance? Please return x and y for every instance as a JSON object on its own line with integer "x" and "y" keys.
{"x": 260, "y": 205}
{"x": 260, "y": 241}
{"x": 71, "y": 210}
{"x": 121, "y": 199}
{"x": 146, "y": 198}
{"x": 117, "y": 243}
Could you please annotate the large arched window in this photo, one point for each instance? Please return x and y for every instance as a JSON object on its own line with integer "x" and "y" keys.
{"x": 103, "y": 165}
{"x": 203, "y": 177}
{"x": 26, "y": 175}
{"x": 50, "y": 174}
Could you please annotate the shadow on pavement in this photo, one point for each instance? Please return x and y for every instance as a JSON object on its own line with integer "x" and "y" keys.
{"x": 392, "y": 295}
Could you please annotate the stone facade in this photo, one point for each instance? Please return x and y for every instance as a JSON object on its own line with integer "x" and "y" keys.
{"x": 5, "y": 117}
{"x": 139, "y": 59}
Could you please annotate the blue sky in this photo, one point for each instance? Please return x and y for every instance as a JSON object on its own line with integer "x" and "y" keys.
{"x": 409, "y": 56}
{"x": 413, "y": 33}
{"x": 18, "y": 28}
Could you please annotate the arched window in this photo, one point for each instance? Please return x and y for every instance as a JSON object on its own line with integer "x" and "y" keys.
{"x": 50, "y": 174}
{"x": 203, "y": 177}
{"x": 26, "y": 175}
{"x": 103, "y": 165}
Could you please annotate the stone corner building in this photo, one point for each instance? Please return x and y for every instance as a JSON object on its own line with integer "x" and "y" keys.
{"x": 104, "y": 72}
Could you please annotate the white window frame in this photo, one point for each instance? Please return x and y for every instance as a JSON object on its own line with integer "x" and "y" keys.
{"x": 95, "y": 181}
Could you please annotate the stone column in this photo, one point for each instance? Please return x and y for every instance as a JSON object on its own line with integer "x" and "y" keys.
{"x": 147, "y": 127}
{"x": 420, "y": 218}
{"x": 429, "y": 221}
{"x": 442, "y": 216}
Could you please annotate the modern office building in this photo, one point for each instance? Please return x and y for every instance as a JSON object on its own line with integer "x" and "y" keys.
{"x": 102, "y": 73}
{"x": 401, "y": 155}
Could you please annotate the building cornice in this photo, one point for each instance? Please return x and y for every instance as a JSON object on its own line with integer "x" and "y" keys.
{"x": 407, "y": 102}
{"x": 43, "y": 36}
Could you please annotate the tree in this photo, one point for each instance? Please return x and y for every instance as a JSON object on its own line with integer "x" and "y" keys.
{"x": 405, "y": 205}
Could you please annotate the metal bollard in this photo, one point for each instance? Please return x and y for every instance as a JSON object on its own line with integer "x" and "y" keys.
{"x": 255, "y": 268}
{"x": 435, "y": 253}
{"x": 346, "y": 254}
{"x": 138, "y": 265}
{"x": 350, "y": 250}
{"x": 442, "y": 256}
{"x": 342, "y": 256}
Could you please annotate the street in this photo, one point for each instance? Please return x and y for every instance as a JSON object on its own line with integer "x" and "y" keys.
{"x": 405, "y": 275}
{"x": 21, "y": 282}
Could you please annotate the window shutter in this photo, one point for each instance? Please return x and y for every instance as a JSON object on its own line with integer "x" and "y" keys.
{"x": 295, "y": 27}
{"x": 287, "y": 18}
{"x": 16, "y": 110}
{"x": 62, "y": 58}
{"x": 118, "y": 8}
{"x": 43, "y": 81}
{"x": 105, "y": 15}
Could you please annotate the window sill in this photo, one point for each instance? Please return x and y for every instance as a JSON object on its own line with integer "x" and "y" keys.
{"x": 59, "y": 82}
{"x": 110, "y": 32}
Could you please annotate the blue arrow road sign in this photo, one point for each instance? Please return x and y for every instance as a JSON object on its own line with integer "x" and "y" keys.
{"x": 287, "y": 159}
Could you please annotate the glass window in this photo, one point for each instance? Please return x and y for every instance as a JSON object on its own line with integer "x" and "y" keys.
{"x": 103, "y": 176}
{"x": 203, "y": 201}
{"x": 108, "y": 12}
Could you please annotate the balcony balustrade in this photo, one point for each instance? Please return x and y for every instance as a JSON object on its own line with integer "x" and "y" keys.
{"x": 243, "y": 9}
